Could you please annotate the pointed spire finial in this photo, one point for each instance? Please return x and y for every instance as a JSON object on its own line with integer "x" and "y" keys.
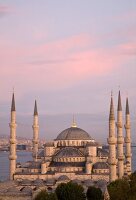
{"x": 13, "y": 103}
{"x": 127, "y": 107}
{"x": 119, "y": 102}
{"x": 111, "y": 116}
{"x": 73, "y": 122}
{"x": 35, "y": 108}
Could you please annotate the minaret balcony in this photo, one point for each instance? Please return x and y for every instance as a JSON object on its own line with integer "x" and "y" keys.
{"x": 112, "y": 161}
{"x": 12, "y": 141}
{"x": 35, "y": 126}
{"x": 13, "y": 125}
{"x": 120, "y": 140}
{"x": 111, "y": 140}
{"x": 119, "y": 125}
{"x": 121, "y": 157}
{"x": 12, "y": 157}
{"x": 127, "y": 126}
{"x": 128, "y": 155}
{"x": 35, "y": 141}
{"x": 127, "y": 140}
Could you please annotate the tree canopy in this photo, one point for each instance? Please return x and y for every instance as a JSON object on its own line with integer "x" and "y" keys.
{"x": 94, "y": 193}
{"x": 44, "y": 195}
{"x": 123, "y": 189}
{"x": 119, "y": 189}
{"x": 70, "y": 191}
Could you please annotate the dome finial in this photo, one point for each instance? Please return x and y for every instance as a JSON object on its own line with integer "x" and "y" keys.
{"x": 74, "y": 125}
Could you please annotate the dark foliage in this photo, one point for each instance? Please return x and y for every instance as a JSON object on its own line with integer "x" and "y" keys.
{"x": 70, "y": 191}
{"x": 119, "y": 189}
{"x": 94, "y": 193}
{"x": 123, "y": 189}
{"x": 43, "y": 195}
{"x": 132, "y": 182}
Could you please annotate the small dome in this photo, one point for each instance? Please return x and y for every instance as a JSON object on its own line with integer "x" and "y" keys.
{"x": 69, "y": 152}
{"x": 38, "y": 182}
{"x": 13, "y": 189}
{"x": 76, "y": 181}
{"x": 50, "y": 182}
{"x": 27, "y": 190}
{"x": 26, "y": 182}
{"x": 74, "y": 133}
{"x": 95, "y": 144}
{"x": 102, "y": 152}
{"x": 101, "y": 183}
{"x": 100, "y": 165}
{"x": 63, "y": 178}
{"x": 88, "y": 182}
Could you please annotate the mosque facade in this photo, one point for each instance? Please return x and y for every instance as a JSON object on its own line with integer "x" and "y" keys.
{"x": 74, "y": 155}
{"x": 74, "y": 152}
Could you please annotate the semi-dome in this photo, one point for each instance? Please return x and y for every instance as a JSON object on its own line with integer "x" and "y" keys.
{"x": 100, "y": 165}
{"x": 73, "y": 133}
{"x": 69, "y": 152}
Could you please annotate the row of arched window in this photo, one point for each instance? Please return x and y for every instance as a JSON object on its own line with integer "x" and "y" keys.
{"x": 72, "y": 142}
{"x": 70, "y": 159}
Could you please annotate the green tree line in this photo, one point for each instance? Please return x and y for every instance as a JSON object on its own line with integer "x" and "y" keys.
{"x": 71, "y": 191}
{"x": 121, "y": 189}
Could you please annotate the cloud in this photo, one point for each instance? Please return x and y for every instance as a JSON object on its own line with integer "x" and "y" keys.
{"x": 58, "y": 64}
{"x": 4, "y": 9}
{"x": 44, "y": 62}
{"x": 127, "y": 16}
{"x": 128, "y": 49}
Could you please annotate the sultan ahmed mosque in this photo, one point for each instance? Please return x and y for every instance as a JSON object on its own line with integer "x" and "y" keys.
{"x": 73, "y": 155}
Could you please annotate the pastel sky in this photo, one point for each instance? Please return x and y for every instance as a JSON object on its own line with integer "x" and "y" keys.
{"x": 68, "y": 55}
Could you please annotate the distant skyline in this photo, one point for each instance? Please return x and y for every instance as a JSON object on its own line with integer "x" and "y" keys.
{"x": 68, "y": 55}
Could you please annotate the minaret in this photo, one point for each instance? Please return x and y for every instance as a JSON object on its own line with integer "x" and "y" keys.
{"x": 120, "y": 139}
{"x": 128, "y": 153}
{"x": 35, "y": 133}
{"x": 13, "y": 125}
{"x": 112, "y": 144}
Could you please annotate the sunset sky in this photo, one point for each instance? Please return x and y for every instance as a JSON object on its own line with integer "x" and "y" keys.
{"x": 68, "y": 55}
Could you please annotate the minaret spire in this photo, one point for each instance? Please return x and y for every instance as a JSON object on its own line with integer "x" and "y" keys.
{"x": 35, "y": 108}
{"x": 35, "y": 132}
{"x": 74, "y": 125}
{"x": 119, "y": 102}
{"x": 111, "y": 116}
{"x": 127, "y": 107}
{"x": 13, "y": 103}
{"x": 13, "y": 125}
{"x": 120, "y": 139}
{"x": 128, "y": 153}
{"x": 112, "y": 143}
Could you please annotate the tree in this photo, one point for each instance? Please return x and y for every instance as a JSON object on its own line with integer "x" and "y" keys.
{"x": 132, "y": 182}
{"x": 70, "y": 191}
{"x": 119, "y": 189}
{"x": 52, "y": 196}
{"x": 94, "y": 193}
{"x": 44, "y": 195}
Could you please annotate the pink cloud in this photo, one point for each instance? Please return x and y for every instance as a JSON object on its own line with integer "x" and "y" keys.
{"x": 57, "y": 64}
{"x": 130, "y": 15}
{"x": 128, "y": 48}
{"x": 4, "y": 9}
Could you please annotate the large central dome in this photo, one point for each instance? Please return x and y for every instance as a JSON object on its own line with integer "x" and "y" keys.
{"x": 74, "y": 133}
